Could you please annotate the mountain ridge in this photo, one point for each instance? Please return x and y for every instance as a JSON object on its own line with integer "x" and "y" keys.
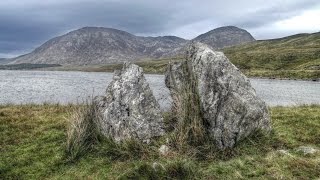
{"x": 220, "y": 37}
{"x": 100, "y": 45}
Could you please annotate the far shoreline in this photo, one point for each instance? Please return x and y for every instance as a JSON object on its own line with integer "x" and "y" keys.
{"x": 113, "y": 67}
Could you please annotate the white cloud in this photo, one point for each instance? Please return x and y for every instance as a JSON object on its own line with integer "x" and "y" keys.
{"x": 305, "y": 22}
{"x": 308, "y": 21}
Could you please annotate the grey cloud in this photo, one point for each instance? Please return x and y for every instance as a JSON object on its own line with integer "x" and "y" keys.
{"x": 25, "y": 26}
{"x": 274, "y": 13}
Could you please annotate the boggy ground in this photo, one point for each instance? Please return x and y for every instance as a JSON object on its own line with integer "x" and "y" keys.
{"x": 33, "y": 145}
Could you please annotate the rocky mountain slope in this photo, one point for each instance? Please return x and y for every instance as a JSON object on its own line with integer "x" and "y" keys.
{"x": 97, "y": 45}
{"x": 225, "y": 37}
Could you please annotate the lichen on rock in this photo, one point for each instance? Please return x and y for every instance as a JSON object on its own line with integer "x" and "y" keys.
{"x": 229, "y": 106}
{"x": 129, "y": 110}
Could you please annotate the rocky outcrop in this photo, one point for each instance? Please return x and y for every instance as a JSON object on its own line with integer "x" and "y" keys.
{"x": 129, "y": 109}
{"x": 228, "y": 103}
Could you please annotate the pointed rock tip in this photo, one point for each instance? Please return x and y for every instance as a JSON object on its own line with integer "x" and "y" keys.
{"x": 197, "y": 47}
{"x": 129, "y": 65}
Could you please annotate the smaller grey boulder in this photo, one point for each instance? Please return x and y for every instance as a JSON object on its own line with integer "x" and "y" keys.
{"x": 307, "y": 150}
{"x": 164, "y": 150}
{"x": 284, "y": 152}
{"x": 129, "y": 110}
{"x": 158, "y": 166}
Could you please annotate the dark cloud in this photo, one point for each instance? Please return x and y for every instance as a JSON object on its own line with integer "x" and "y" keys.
{"x": 25, "y": 26}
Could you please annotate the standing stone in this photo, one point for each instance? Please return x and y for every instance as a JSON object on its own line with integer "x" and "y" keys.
{"x": 129, "y": 109}
{"x": 228, "y": 103}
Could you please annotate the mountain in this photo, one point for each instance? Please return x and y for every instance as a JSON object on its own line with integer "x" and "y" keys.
{"x": 225, "y": 37}
{"x": 93, "y": 45}
{"x": 297, "y": 52}
{"x": 98, "y": 45}
{"x": 294, "y": 57}
{"x": 5, "y": 61}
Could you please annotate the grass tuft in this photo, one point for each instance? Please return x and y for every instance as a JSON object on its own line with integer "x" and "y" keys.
{"x": 190, "y": 127}
{"x": 83, "y": 130}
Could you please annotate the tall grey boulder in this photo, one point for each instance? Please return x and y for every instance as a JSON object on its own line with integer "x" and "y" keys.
{"x": 228, "y": 103}
{"x": 129, "y": 109}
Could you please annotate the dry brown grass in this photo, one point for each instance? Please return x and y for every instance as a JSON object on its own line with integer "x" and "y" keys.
{"x": 83, "y": 130}
{"x": 190, "y": 127}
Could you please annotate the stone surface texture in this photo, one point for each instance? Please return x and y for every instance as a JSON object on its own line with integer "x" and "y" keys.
{"x": 228, "y": 102}
{"x": 129, "y": 109}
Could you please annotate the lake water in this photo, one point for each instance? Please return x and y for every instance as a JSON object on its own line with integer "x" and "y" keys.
{"x": 20, "y": 87}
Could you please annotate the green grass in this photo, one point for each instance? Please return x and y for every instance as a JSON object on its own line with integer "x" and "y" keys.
{"x": 33, "y": 145}
{"x": 293, "y": 57}
{"x": 284, "y": 74}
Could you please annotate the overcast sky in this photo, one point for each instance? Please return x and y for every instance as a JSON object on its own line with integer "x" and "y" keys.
{"x": 26, "y": 24}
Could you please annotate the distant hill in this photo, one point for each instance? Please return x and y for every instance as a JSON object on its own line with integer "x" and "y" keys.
{"x": 93, "y": 45}
{"x": 297, "y": 52}
{"x": 97, "y": 45}
{"x": 26, "y": 66}
{"x": 294, "y": 57}
{"x": 225, "y": 37}
{"x": 5, "y": 60}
